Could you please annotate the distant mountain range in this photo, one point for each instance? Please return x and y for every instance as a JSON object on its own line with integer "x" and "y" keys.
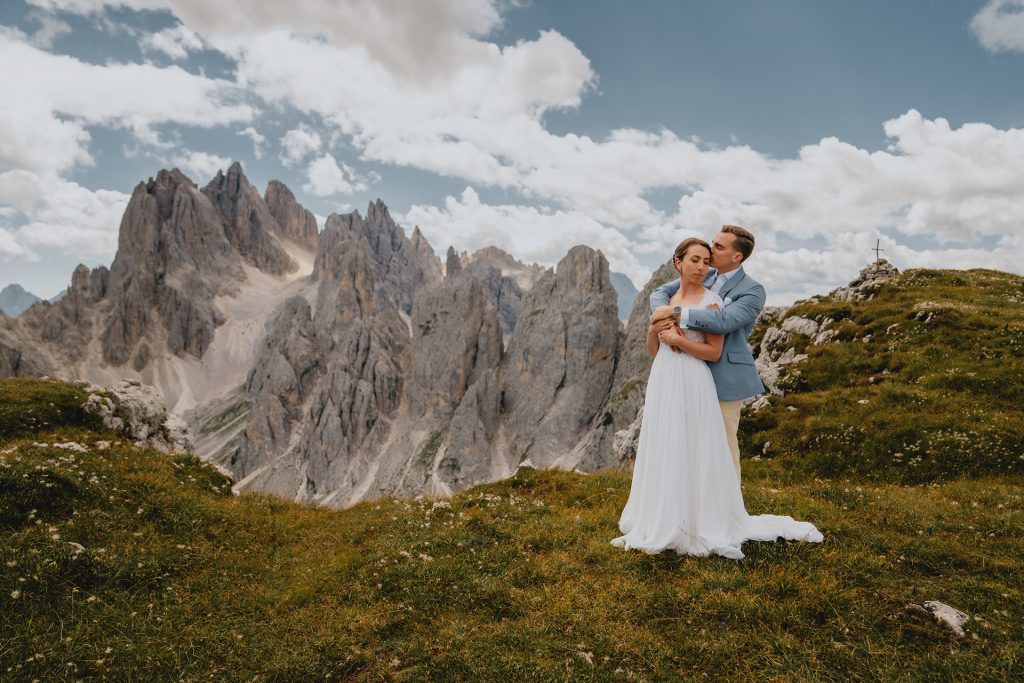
{"x": 627, "y": 294}
{"x": 15, "y": 300}
{"x": 345, "y": 364}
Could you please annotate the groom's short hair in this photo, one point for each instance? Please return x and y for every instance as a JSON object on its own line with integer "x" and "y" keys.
{"x": 744, "y": 239}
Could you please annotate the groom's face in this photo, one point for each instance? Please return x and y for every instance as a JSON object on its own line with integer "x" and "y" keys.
{"x": 724, "y": 255}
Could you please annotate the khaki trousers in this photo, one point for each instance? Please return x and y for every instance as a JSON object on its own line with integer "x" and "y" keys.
{"x": 731, "y": 415}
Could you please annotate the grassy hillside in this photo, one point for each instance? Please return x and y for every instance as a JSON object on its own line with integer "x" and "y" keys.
{"x": 178, "y": 579}
{"x": 924, "y": 382}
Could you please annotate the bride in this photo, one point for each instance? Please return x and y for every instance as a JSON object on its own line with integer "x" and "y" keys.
{"x": 685, "y": 493}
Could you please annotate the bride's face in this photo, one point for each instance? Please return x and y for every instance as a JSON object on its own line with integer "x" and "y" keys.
{"x": 694, "y": 264}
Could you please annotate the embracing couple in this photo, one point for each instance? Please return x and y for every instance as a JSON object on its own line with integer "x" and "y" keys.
{"x": 685, "y": 494}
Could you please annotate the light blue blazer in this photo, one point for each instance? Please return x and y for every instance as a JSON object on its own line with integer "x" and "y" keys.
{"x": 735, "y": 375}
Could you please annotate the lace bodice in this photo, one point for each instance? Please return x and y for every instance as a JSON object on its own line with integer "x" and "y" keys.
{"x": 708, "y": 299}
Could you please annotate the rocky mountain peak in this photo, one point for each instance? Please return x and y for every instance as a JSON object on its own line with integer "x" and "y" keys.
{"x": 424, "y": 256}
{"x": 401, "y": 266}
{"x": 169, "y": 224}
{"x": 561, "y": 360}
{"x": 452, "y": 266}
{"x": 248, "y": 224}
{"x": 295, "y": 222}
{"x": 584, "y": 267}
{"x": 87, "y": 285}
{"x": 163, "y": 189}
{"x": 14, "y": 300}
{"x": 863, "y": 286}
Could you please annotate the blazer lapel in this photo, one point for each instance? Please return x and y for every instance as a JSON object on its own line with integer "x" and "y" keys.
{"x": 731, "y": 283}
{"x": 707, "y": 278}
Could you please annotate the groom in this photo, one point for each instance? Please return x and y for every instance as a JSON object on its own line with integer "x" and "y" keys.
{"x": 735, "y": 376}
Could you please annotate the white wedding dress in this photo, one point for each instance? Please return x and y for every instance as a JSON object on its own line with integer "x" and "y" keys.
{"x": 685, "y": 495}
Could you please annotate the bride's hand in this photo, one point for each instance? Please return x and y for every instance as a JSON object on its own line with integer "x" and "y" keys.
{"x": 671, "y": 337}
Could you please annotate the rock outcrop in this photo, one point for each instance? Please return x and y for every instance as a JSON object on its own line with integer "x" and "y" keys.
{"x": 139, "y": 413}
{"x": 179, "y": 250}
{"x": 864, "y": 285}
{"x": 66, "y": 327}
{"x": 561, "y": 361}
{"x": 778, "y": 347}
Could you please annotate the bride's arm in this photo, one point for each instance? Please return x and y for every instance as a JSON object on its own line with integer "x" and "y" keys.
{"x": 710, "y": 349}
{"x": 652, "y": 341}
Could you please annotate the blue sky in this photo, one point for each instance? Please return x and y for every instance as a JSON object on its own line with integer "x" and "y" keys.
{"x": 820, "y": 125}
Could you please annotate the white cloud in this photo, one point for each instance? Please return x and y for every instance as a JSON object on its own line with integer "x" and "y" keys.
{"x": 530, "y": 234}
{"x": 11, "y": 249}
{"x": 50, "y": 99}
{"x": 297, "y": 144}
{"x": 999, "y": 26}
{"x": 327, "y": 177}
{"x": 422, "y": 39}
{"x": 200, "y": 166}
{"x": 176, "y": 42}
{"x": 60, "y": 215}
{"x": 257, "y": 140}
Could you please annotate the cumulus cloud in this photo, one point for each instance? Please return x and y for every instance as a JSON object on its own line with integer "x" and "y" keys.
{"x": 58, "y": 214}
{"x": 297, "y": 144}
{"x": 50, "y": 99}
{"x": 257, "y": 140}
{"x": 999, "y": 26}
{"x": 10, "y": 248}
{"x": 200, "y": 166}
{"x": 327, "y": 177}
{"x": 414, "y": 40}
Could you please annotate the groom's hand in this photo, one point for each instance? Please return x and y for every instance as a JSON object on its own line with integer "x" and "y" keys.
{"x": 662, "y": 313}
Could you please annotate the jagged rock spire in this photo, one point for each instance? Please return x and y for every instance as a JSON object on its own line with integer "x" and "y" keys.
{"x": 248, "y": 223}
{"x": 452, "y": 266}
{"x": 295, "y": 222}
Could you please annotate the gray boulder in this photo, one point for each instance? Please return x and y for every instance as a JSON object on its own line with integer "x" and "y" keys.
{"x": 138, "y": 411}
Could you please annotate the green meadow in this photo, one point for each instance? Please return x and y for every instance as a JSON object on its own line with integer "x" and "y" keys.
{"x": 900, "y": 439}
